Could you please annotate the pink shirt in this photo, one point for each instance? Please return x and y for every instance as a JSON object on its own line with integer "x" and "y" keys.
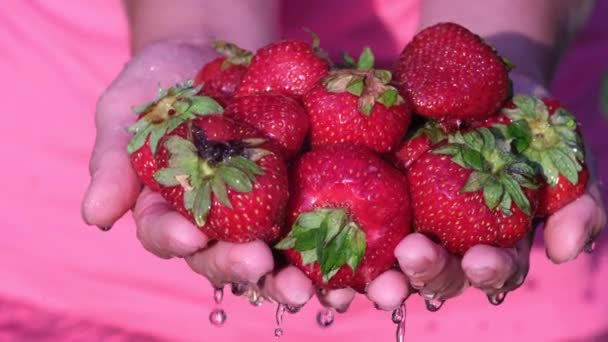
{"x": 61, "y": 280}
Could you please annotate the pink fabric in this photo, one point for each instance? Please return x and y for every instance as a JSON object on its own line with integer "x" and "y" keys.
{"x": 58, "y": 56}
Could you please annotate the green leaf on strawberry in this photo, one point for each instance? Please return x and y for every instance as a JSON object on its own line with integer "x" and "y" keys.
{"x": 171, "y": 108}
{"x": 550, "y": 140}
{"x": 497, "y": 172}
{"x": 203, "y": 178}
{"x": 234, "y": 54}
{"x": 370, "y": 85}
{"x": 329, "y": 237}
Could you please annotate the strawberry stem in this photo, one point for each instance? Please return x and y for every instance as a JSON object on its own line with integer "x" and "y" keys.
{"x": 204, "y": 167}
{"x": 170, "y": 109}
{"x": 549, "y": 140}
{"x": 328, "y": 237}
{"x": 498, "y": 173}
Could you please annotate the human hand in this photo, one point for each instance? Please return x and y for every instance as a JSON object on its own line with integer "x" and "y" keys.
{"x": 115, "y": 189}
{"x": 438, "y": 275}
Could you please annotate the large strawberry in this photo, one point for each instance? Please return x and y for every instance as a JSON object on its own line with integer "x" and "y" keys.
{"x": 358, "y": 106}
{"x": 473, "y": 190}
{"x": 221, "y": 77}
{"x": 548, "y": 135}
{"x": 170, "y": 109}
{"x": 224, "y": 178}
{"x": 289, "y": 67}
{"x": 282, "y": 118}
{"x": 347, "y": 212}
{"x": 449, "y": 72}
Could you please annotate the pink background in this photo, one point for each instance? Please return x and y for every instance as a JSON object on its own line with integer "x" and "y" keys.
{"x": 62, "y": 280}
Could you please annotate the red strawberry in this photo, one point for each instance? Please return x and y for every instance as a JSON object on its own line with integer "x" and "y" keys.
{"x": 289, "y": 67}
{"x": 472, "y": 191}
{"x": 224, "y": 178}
{"x": 413, "y": 148}
{"x": 171, "y": 108}
{"x": 347, "y": 212}
{"x": 548, "y": 135}
{"x": 221, "y": 77}
{"x": 449, "y": 72}
{"x": 357, "y": 106}
{"x": 280, "y": 117}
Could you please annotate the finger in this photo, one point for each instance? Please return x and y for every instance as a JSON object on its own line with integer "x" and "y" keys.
{"x": 388, "y": 290}
{"x": 227, "y": 262}
{"x": 420, "y": 259}
{"x": 162, "y": 230}
{"x": 430, "y": 268}
{"x": 289, "y": 286}
{"x": 114, "y": 186}
{"x": 338, "y": 299}
{"x": 450, "y": 282}
{"x": 570, "y": 228}
{"x": 489, "y": 268}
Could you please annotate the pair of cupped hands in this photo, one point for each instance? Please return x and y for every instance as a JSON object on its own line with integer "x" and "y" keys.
{"x": 424, "y": 266}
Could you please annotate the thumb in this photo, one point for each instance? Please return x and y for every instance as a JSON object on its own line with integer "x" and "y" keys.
{"x": 114, "y": 186}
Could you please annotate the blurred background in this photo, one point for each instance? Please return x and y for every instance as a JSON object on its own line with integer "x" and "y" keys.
{"x": 61, "y": 280}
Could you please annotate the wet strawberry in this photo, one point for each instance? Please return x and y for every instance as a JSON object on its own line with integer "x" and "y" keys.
{"x": 448, "y": 72}
{"x": 358, "y": 106}
{"x": 289, "y": 67}
{"x": 281, "y": 118}
{"x": 472, "y": 190}
{"x": 171, "y": 108}
{"x": 221, "y": 77}
{"x": 348, "y": 211}
{"x": 548, "y": 135}
{"x": 225, "y": 178}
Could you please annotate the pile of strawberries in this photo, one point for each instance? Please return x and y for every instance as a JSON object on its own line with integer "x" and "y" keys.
{"x": 335, "y": 165}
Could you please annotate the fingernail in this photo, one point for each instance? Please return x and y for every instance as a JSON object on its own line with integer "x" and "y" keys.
{"x": 481, "y": 276}
{"x": 417, "y": 284}
{"x": 342, "y": 309}
{"x": 244, "y": 271}
{"x": 415, "y": 267}
{"x": 104, "y": 229}
{"x": 428, "y": 295}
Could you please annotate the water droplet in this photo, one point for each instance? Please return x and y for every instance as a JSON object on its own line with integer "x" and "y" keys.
{"x": 255, "y": 298}
{"x": 292, "y": 309}
{"x": 433, "y": 305}
{"x": 325, "y": 317}
{"x": 589, "y": 247}
{"x": 278, "y": 332}
{"x": 398, "y": 318}
{"x": 498, "y": 298}
{"x": 218, "y": 295}
{"x": 397, "y": 315}
{"x": 238, "y": 289}
{"x": 217, "y": 317}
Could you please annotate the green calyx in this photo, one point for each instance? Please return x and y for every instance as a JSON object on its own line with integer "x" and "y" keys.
{"x": 170, "y": 109}
{"x": 497, "y": 172}
{"x": 550, "y": 141}
{"x": 328, "y": 237}
{"x": 203, "y": 177}
{"x": 234, "y": 54}
{"x": 370, "y": 85}
{"x": 432, "y": 130}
